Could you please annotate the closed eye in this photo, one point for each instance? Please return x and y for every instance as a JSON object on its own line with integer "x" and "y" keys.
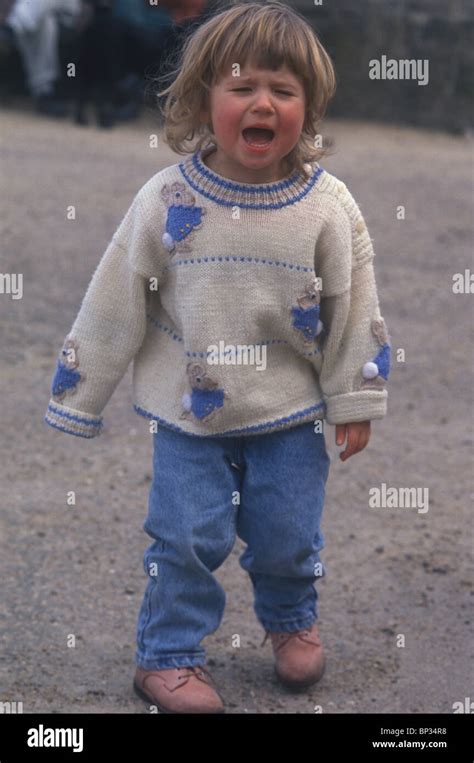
{"x": 242, "y": 89}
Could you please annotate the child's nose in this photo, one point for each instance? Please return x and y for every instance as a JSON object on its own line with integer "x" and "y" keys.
{"x": 263, "y": 99}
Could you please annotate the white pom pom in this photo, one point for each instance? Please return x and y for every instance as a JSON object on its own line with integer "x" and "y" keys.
{"x": 370, "y": 370}
{"x": 186, "y": 401}
{"x": 167, "y": 240}
{"x": 319, "y": 328}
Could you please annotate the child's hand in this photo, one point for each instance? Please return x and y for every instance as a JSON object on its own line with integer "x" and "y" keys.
{"x": 358, "y": 435}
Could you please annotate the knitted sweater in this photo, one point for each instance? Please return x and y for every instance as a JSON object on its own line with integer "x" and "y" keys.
{"x": 246, "y": 308}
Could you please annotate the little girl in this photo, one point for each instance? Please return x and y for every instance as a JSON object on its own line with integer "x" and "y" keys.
{"x": 241, "y": 284}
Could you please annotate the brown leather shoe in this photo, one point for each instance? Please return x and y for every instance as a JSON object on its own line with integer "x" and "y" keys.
{"x": 178, "y": 690}
{"x": 299, "y": 657}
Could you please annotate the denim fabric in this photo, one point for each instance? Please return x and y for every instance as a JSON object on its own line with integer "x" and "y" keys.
{"x": 194, "y": 518}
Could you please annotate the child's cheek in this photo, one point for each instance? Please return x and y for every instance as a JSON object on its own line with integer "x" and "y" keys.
{"x": 229, "y": 121}
{"x": 292, "y": 119}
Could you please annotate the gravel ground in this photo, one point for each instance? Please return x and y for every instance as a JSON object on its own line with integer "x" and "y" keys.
{"x": 78, "y": 570}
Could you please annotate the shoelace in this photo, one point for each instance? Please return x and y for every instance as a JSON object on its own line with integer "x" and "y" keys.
{"x": 194, "y": 670}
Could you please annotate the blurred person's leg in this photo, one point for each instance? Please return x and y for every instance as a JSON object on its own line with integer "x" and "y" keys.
{"x": 98, "y": 67}
{"x": 36, "y": 26}
{"x": 105, "y": 39}
{"x": 39, "y": 54}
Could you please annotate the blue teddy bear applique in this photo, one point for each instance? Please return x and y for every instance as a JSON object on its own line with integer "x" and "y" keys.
{"x": 182, "y": 219}
{"x": 66, "y": 378}
{"x": 306, "y": 315}
{"x": 205, "y": 398}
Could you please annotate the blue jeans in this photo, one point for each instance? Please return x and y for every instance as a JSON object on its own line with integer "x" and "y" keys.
{"x": 269, "y": 490}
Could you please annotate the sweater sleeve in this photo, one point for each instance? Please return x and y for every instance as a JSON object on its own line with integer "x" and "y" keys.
{"x": 356, "y": 346}
{"x": 107, "y": 332}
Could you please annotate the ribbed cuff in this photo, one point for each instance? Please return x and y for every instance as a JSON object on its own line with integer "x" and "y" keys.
{"x": 356, "y": 406}
{"x": 71, "y": 421}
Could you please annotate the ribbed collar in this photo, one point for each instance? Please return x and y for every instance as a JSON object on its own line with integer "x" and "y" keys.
{"x": 246, "y": 195}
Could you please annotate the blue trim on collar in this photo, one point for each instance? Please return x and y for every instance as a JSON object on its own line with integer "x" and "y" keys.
{"x": 229, "y": 193}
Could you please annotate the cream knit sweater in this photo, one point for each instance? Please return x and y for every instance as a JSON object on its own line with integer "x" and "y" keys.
{"x": 245, "y": 309}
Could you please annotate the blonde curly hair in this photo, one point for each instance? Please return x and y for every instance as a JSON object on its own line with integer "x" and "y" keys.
{"x": 265, "y": 35}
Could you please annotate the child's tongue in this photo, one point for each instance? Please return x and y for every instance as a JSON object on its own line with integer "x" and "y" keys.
{"x": 257, "y": 135}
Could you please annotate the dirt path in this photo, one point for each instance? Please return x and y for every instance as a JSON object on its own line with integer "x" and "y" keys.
{"x": 78, "y": 570}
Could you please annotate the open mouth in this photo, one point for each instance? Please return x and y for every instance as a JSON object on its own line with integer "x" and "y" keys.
{"x": 258, "y": 137}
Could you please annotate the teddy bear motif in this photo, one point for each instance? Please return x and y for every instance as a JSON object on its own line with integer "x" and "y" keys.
{"x": 205, "y": 398}
{"x": 66, "y": 378}
{"x": 182, "y": 219}
{"x": 306, "y": 315}
{"x": 375, "y": 372}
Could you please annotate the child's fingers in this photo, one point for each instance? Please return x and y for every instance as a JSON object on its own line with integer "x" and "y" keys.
{"x": 358, "y": 439}
{"x": 352, "y": 443}
{"x": 340, "y": 433}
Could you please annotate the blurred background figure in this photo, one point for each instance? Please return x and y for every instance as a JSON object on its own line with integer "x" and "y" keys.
{"x": 34, "y": 28}
{"x": 97, "y": 61}
{"x": 118, "y": 47}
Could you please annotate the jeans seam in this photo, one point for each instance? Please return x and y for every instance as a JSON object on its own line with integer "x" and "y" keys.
{"x": 147, "y": 617}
